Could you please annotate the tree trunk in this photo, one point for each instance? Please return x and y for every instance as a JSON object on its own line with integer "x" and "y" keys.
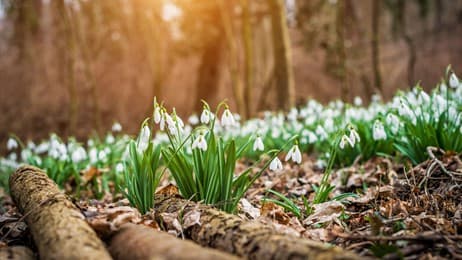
{"x": 249, "y": 239}
{"x": 248, "y": 54}
{"x": 209, "y": 73}
{"x": 376, "y": 5}
{"x": 16, "y": 253}
{"x": 66, "y": 56}
{"x": 340, "y": 50}
{"x": 236, "y": 81}
{"x": 282, "y": 56}
{"x": 141, "y": 242}
{"x": 56, "y": 224}
{"x": 409, "y": 43}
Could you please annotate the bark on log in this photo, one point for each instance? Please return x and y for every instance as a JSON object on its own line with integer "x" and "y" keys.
{"x": 16, "y": 253}
{"x": 140, "y": 242}
{"x": 56, "y": 224}
{"x": 249, "y": 239}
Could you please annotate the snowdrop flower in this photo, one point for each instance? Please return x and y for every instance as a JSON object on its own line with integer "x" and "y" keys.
{"x": 119, "y": 167}
{"x": 102, "y": 156}
{"x": 354, "y": 136}
{"x": 378, "y": 131}
{"x": 320, "y": 164}
{"x": 143, "y": 140}
{"x": 11, "y": 144}
{"x": 12, "y": 157}
{"x": 116, "y": 127}
{"x": 453, "y": 81}
{"x": 227, "y": 119}
{"x": 205, "y": 116}
{"x": 30, "y": 145}
{"x": 110, "y": 139}
{"x": 157, "y": 116}
{"x": 78, "y": 155}
{"x": 162, "y": 121}
{"x": 200, "y": 143}
{"x": 42, "y": 148}
{"x": 322, "y": 134}
{"x": 294, "y": 154}
{"x": 275, "y": 165}
{"x": 376, "y": 98}
{"x": 93, "y": 154}
{"x": 25, "y": 154}
{"x": 193, "y": 120}
{"x": 393, "y": 122}
{"x": 258, "y": 145}
{"x": 345, "y": 140}
{"x": 358, "y": 101}
{"x": 404, "y": 109}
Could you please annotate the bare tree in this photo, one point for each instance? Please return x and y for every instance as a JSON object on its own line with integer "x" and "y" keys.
{"x": 376, "y": 6}
{"x": 282, "y": 55}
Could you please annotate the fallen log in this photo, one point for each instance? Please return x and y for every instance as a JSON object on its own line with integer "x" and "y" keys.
{"x": 250, "y": 239}
{"x": 57, "y": 226}
{"x": 141, "y": 242}
{"x": 16, "y": 253}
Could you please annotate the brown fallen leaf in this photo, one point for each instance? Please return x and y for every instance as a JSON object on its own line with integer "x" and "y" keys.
{"x": 168, "y": 190}
{"x": 325, "y": 212}
{"x": 275, "y": 212}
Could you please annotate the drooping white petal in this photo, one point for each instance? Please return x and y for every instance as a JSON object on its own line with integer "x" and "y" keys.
{"x": 275, "y": 165}
{"x": 258, "y": 144}
{"x": 227, "y": 119}
{"x": 453, "y": 81}
{"x": 297, "y": 155}
{"x": 205, "y": 116}
{"x": 116, "y": 127}
{"x": 378, "y": 131}
{"x": 157, "y": 115}
{"x": 11, "y": 144}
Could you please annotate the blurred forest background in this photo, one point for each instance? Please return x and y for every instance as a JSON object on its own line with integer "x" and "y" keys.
{"x": 76, "y": 66}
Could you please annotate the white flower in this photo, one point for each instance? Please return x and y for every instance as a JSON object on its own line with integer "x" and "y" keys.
{"x": 205, "y": 116}
{"x": 200, "y": 143}
{"x": 404, "y": 109}
{"x": 275, "y": 165}
{"x": 227, "y": 119}
{"x": 294, "y": 154}
{"x": 169, "y": 120}
{"x": 143, "y": 140}
{"x": 157, "y": 114}
{"x": 102, "y": 156}
{"x": 193, "y": 120}
{"x": 354, "y": 136}
{"x": 393, "y": 122}
{"x": 358, "y": 101}
{"x": 258, "y": 145}
{"x": 162, "y": 122}
{"x": 116, "y": 127}
{"x": 11, "y": 144}
{"x": 110, "y": 139}
{"x": 119, "y": 168}
{"x": 453, "y": 81}
{"x": 25, "y": 154}
{"x": 78, "y": 155}
{"x": 345, "y": 140}
{"x": 378, "y": 131}
{"x": 322, "y": 134}
{"x": 93, "y": 154}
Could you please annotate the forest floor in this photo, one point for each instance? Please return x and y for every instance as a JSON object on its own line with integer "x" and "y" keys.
{"x": 401, "y": 211}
